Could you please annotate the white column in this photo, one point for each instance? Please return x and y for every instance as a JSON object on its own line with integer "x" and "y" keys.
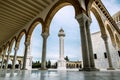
{"x": 84, "y": 42}
{"x": 61, "y": 61}
{"x": 61, "y": 48}
{"x": 105, "y": 38}
{"x": 45, "y": 36}
{"x": 15, "y": 56}
{"x": 90, "y": 48}
{"x": 8, "y": 56}
{"x": 3, "y": 56}
{"x": 27, "y": 62}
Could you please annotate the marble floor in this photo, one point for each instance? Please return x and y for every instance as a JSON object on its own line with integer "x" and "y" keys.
{"x": 58, "y": 75}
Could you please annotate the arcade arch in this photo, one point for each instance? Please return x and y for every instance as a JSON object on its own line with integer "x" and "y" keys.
{"x": 111, "y": 33}
{"x": 36, "y": 43}
{"x": 32, "y": 27}
{"x": 117, "y": 41}
{"x": 99, "y": 19}
{"x": 28, "y": 61}
{"x": 59, "y": 5}
{"x": 71, "y": 28}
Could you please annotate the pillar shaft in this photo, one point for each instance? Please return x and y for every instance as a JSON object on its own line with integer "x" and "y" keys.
{"x": 92, "y": 63}
{"x": 15, "y": 56}
{"x": 27, "y": 44}
{"x": 45, "y": 36}
{"x": 61, "y": 57}
{"x": 8, "y": 57}
{"x": 105, "y": 38}
{"x": 3, "y": 56}
{"x": 85, "y": 51}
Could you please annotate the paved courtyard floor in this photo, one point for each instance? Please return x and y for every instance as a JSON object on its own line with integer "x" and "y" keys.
{"x": 58, "y": 75}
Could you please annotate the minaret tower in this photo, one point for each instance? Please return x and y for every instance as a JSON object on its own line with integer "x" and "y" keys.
{"x": 61, "y": 61}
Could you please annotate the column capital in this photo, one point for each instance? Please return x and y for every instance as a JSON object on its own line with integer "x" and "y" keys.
{"x": 9, "y": 51}
{"x": 89, "y": 20}
{"x": 2, "y": 54}
{"x": 82, "y": 17}
{"x": 16, "y": 48}
{"x": 45, "y": 35}
{"x": 105, "y": 37}
{"x": 27, "y": 43}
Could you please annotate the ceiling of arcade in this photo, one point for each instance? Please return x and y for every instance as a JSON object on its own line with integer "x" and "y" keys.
{"x": 15, "y": 14}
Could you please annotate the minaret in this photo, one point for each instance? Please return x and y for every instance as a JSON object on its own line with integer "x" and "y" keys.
{"x": 61, "y": 61}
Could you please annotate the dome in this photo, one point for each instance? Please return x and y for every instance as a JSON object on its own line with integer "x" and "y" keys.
{"x": 61, "y": 32}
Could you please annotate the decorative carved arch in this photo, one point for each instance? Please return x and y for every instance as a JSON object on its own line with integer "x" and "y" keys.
{"x": 32, "y": 27}
{"x": 117, "y": 40}
{"x": 59, "y": 5}
{"x": 3, "y": 47}
{"x": 99, "y": 19}
{"x": 7, "y": 46}
{"x": 20, "y": 36}
{"x": 111, "y": 33}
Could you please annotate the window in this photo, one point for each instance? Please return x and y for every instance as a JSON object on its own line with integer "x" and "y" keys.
{"x": 119, "y": 53}
{"x": 95, "y": 56}
{"x": 105, "y": 54}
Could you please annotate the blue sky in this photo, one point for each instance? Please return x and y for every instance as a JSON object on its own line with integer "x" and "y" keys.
{"x": 64, "y": 18}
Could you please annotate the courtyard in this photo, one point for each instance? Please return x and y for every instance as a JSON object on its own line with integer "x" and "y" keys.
{"x": 36, "y": 35}
{"x": 58, "y": 75}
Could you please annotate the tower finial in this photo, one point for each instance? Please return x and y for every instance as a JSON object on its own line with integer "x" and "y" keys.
{"x": 61, "y": 32}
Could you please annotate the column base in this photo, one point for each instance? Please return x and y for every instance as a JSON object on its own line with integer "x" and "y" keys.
{"x": 94, "y": 69}
{"x": 61, "y": 68}
{"x": 24, "y": 69}
{"x": 43, "y": 69}
{"x": 89, "y": 69}
{"x": 110, "y": 68}
{"x": 61, "y": 64}
{"x": 13, "y": 68}
{"x": 84, "y": 69}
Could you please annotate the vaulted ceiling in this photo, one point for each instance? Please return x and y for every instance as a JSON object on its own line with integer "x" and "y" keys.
{"x": 15, "y": 14}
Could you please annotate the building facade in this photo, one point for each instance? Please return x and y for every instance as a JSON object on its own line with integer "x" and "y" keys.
{"x": 100, "y": 55}
{"x": 74, "y": 64}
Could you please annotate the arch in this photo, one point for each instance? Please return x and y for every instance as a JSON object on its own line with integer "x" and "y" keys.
{"x": 59, "y": 5}
{"x": 20, "y": 36}
{"x": 2, "y": 49}
{"x": 107, "y": 25}
{"x": 32, "y": 27}
{"x": 117, "y": 40}
{"x": 11, "y": 43}
{"x": 7, "y": 45}
{"x": 99, "y": 19}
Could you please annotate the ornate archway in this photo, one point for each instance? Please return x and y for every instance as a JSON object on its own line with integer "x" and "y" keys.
{"x": 59, "y": 5}
{"x": 32, "y": 27}
{"x": 23, "y": 32}
{"x": 99, "y": 19}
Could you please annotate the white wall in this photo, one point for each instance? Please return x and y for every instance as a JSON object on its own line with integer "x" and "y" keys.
{"x": 99, "y": 49}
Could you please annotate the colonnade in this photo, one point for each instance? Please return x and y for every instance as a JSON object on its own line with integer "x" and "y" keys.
{"x": 86, "y": 43}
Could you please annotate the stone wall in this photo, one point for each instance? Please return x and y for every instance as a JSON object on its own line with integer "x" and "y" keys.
{"x": 99, "y": 50}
